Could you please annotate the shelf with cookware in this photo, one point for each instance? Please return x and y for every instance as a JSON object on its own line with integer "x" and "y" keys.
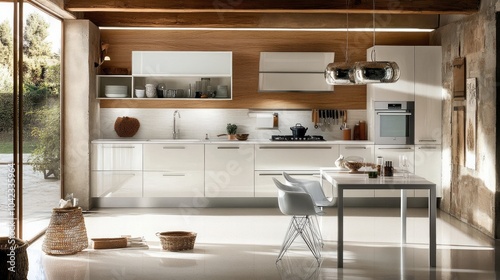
{"x": 171, "y": 74}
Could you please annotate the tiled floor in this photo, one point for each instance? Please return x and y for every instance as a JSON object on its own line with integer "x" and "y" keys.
{"x": 242, "y": 243}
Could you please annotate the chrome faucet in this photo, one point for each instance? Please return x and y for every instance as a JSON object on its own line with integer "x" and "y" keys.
{"x": 175, "y": 132}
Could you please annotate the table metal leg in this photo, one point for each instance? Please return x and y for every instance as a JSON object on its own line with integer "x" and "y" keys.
{"x": 432, "y": 226}
{"x": 340, "y": 228}
{"x": 403, "y": 216}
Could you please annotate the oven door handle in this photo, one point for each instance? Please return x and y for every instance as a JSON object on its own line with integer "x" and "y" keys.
{"x": 393, "y": 114}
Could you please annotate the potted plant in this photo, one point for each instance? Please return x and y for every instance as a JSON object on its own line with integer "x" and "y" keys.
{"x": 231, "y": 131}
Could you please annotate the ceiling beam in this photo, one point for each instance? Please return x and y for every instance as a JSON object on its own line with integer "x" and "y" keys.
{"x": 258, "y": 20}
{"x": 275, "y": 6}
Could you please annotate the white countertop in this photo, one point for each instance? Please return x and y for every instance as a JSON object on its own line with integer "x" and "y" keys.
{"x": 224, "y": 141}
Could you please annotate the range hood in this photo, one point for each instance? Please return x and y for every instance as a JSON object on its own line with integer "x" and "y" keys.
{"x": 294, "y": 71}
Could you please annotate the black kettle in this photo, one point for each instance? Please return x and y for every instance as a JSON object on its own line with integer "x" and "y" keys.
{"x": 298, "y": 131}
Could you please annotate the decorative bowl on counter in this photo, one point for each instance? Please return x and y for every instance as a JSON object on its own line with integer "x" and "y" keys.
{"x": 354, "y": 163}
{"x": 242, "y": 137}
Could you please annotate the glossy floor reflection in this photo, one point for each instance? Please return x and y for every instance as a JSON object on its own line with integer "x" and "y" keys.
{"x": 243, "y": 243}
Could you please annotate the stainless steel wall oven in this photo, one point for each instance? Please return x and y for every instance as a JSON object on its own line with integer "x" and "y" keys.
{"x": 394, "y": 122}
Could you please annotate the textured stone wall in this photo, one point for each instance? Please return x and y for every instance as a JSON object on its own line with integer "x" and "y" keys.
{"x": 469, "y": 194}
{"x": 80, "y": 108}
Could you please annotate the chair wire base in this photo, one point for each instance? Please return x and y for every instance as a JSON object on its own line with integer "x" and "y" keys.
{"x": 308, "y": 229}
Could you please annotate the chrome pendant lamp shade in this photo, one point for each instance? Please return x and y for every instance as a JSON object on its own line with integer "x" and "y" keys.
{"x": 339, "y": 73}
{"x": 366, "y": 72}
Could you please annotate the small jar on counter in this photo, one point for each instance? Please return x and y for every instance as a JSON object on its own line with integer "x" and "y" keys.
{"x": 380, "y": 166}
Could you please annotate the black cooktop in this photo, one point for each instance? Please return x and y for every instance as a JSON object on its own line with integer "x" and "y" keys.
{"x": 291, "y": 138}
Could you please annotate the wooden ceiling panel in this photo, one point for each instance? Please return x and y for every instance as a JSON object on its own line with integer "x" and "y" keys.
{"x": 258, "y": 20}
{"x": 276, "y": 6}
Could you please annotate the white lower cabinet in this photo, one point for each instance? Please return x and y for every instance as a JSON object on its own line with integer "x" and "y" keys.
{"x": 173, "y": 184}
{"x": 428, "y": 165}
{"x": 174, "y": 170}
{"x": 116, "y": 184}
{"x": 392, "y": 152}
{"x": 301, "y": 161}
{"x": 264, "y": 184}
{"x": 229, "y": 170}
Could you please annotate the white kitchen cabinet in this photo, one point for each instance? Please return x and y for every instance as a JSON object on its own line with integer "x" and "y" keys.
{"x": 428, "y": 95}
{"x": 126, "y": 156}
{"x": 173, "y": 170}
{"x": 301, "y": 160}
{"x": 116, "y": 184}
{"x": 404, "y": 88}
{"x": 229, "y": 170}
{"x": 116, "y": 170}
{"x": 265, "y": 187}
{"x": 367, "y": 152}
{"x": 392, "y": 152}
{"x": 428, "y": 165}
{"x": 182, "y": 63}
{"x": 173, "y": 184}
{"x": 295, "y": 157}
{"x": 178, "y": 70}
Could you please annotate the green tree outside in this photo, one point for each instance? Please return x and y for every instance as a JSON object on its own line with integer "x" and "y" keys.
{"x": 41, "y": 89}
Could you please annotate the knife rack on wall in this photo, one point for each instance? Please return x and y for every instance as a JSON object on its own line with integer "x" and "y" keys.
{"x": 328, "y": 117}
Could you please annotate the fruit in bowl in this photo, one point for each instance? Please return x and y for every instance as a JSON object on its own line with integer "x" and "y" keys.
{"x": 354, "y": 163}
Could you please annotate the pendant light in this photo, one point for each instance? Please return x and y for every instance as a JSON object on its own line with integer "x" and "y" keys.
{"x": 366, "y": 72}
{"x": 341, "y": 73}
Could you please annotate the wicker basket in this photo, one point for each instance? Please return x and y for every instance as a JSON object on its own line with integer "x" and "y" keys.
{"x": 66, "y": 233}
{"x": 177, "y": 240}
{"x": 109, "y": 243}
{"x": 19, "y": 259}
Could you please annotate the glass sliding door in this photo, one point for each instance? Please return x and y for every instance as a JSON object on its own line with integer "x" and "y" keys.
{"x": 7, "y": 174}
{"x": 36, "y": 131}
{"x": 41, "y": 118}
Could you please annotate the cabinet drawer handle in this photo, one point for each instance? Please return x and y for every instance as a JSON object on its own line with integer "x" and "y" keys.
{"x": 270, "y": 174}
{"x": 427, "y": 140}
{"x": 174, "y": 148}
{"x": 119, "y": 147}
{"x": 228, "y": 148}
{"x": 294, "y": 148}
{"x": 355, "y": 148}
{"x": 395, "y": 148}
{"x": 427, "y": 148}
{"x": 174, "y": 175}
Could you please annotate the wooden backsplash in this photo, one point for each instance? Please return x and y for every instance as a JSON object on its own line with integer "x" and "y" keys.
{"x": 246, "y": 47}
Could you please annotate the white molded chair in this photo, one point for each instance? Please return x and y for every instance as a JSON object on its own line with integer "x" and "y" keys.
{"x": 295, "y": 202}
{"x": 314, "y": 189}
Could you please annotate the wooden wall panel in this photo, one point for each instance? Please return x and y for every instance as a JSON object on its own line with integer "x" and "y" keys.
{"x": 246, "y": 47}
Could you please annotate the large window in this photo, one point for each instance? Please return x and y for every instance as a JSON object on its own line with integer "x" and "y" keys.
{"x": 29, "y": 116}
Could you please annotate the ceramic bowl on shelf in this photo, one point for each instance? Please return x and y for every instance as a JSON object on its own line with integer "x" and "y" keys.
{"x": 140, "y": 93}
{"x": 115, "y": 91}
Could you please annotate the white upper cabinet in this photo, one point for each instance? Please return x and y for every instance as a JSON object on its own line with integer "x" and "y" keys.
{"x": 428, "y": 95}
{"x": 404, "y": 88}
{"x": 182, "y": 63}
{"x": 294, "y": 71}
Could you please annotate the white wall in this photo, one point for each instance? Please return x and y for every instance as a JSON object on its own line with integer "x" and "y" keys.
{"x": 195, "y": 123}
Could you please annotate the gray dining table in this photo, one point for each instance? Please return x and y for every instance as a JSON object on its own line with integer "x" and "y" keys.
{"x": 345, "y": 181}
